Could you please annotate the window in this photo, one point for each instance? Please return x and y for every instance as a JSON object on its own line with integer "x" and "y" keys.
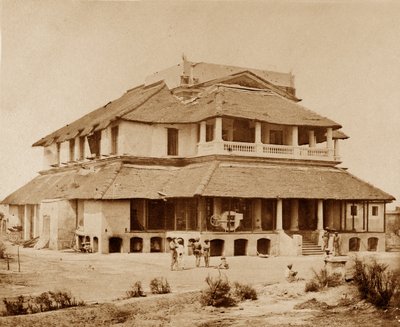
{"x": 374, "y": 210}
{"x": 82, "y": 148}
{"x": 94, "y": 143}
{"x": 353, "y": 210}
{"x": 72, "y": 150}
{"x": 276, "y": 137}
{"x": 172, "y": 142}
{"x": 114, "y": 140}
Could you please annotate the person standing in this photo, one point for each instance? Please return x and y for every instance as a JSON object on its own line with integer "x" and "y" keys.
{"x": 325, "y": 240}
{"x": 174, "y": 255}
{"x": 197, "y": 251}
{"x": 179, "y": 251}
{"x": 206, "y": 253}
{"x": 336, "y": 244}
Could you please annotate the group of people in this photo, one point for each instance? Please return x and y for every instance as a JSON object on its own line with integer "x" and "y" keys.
{"x": 326, "y": 247}
{"x": 199, "y": 250}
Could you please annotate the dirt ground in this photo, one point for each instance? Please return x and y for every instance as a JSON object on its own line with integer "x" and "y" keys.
{"x": 102, "y": 281}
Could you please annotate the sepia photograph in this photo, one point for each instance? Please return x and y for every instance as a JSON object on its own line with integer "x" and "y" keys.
{"x": 199, "y": 163}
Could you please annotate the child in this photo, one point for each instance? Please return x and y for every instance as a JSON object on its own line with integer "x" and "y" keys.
{"x": 290, "y": 274}
{"x": 223, "y": 264}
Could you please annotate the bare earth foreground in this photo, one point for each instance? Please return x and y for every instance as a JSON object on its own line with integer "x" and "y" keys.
{"x": 102, "y": 280}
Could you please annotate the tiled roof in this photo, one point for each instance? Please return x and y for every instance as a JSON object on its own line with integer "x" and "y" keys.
{"x": 289, "y": 181}
{"x": 233, "y": 102}
{"x": 102, "y": 117}
{"x": 215, "y": 178}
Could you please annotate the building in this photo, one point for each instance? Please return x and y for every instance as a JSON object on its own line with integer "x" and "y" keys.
{"x": 393, "y": 229}
{"x": 221, "y": 152}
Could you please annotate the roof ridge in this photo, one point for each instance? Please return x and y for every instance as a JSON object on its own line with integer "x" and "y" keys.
{"x": 124, "y": 112}
{"x": 206, "y": 179}
{"x": 111, "y": 180}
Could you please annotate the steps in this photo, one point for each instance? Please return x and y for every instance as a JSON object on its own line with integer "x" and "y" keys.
{"x": 310, "y": 248}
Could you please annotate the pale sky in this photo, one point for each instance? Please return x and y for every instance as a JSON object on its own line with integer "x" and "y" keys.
{"x": 62, "y": 59}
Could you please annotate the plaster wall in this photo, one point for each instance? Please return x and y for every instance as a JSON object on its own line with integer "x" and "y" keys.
{"x": 62, "y": 217}
{"x": 50, "y": 155}
{"x": 151, "y": 140}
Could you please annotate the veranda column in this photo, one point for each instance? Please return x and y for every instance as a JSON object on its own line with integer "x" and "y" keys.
{"x": 278, "y": 215}
{"x": 320, "y": 215}
{"x": 336, "y": 151}
{"x": 294, "y": 215}
{"x": 203, "y": 126}
{"x": 329, "y": 141}
{"x": 295, "y": 140}
{"x": 35, "y": 221}
{"x": 311, "y": 139}
{"x": 257, "y": 137}
{"x": 218, "y": 135}
{"x": 27, "y": 222}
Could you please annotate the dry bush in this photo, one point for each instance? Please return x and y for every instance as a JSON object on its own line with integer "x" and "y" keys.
{"x": 46, "y": 301}
{"x": 160, "y": 285}
{"x": 377, "y": 284}
{"x": 218, "y": 293}
{"x": 322, "y": 280}
{"x": 244, "y": 292}
{"x": 2, "y": 250}
{"x": 136, "y": 290}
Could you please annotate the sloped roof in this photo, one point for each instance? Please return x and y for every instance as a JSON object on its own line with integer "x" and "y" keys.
{"x": 103, "y": 116}
{"x": 265, "y": 106}
{"x": 289, "y": 181}
{"x": 214, "y": 178}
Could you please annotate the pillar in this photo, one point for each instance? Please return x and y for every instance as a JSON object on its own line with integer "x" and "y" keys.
{"x": 295, "y": 141}
{"x": 35, "y": 220}
{"x": 320, "y": 215}
{"x": 257, "y": 214}
{"x": 311, "y": 139}
{"x": 203, "y": 126}
{"x": 257, "y": 137}
{"x": 27, "y": 222}
{"x": 336, "y": 149}
{"x": 218, "y": 129}
{"x": 294, "y": 215}
{"x": 278, "y": 215}
{"x": 329, "y": 139}
{"x": 295, "y": 136}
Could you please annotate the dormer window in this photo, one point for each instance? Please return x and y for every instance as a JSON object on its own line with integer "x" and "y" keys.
{"x": 114, "y": 140}
{"x": 94, "y": 143}
{"x": 172, "y": 142}
{"x": 82, "y": 148}
{"x": 71, "y": 149}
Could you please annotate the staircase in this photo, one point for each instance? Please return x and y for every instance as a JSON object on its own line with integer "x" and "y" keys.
{"x": 310, "y": 248}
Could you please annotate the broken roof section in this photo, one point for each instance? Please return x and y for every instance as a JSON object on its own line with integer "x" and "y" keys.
{"x": 214, "y": 179}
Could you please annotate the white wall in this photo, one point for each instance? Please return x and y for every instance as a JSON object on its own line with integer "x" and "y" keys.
{"x": 151, "y": 140}
{"x": 50, "y": 155}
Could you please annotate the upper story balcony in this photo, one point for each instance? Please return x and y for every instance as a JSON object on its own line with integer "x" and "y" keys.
{"x": 247, "y": 138}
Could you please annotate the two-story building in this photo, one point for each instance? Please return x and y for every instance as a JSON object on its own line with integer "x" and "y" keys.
{"x": 200, "y": 150}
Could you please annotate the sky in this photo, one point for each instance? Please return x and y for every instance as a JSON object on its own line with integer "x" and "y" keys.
{"x": 62, "y": 59}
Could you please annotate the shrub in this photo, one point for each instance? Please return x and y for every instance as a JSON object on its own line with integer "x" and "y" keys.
{"x": 46, "y": 301}
{"x": 160, "y": 286}
{"x": 218, "y": 293}
{"x": 244, "y": 292}
{"x": 15, "y": 307}
{"x": 136, "y": 290}
{"x": 376, "y": 283}
{"x": 312, "y": 286}
{"x": 322, "y": 279}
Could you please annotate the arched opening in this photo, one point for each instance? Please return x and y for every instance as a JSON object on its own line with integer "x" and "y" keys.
{"x": 156, "y": 244}
{"x": 114, "y": 245}
{"x": 136, "y": 244}
{"x": 372, "y": 244}
{"x": 216, "y": 247}
{"x": 240, "y": 247}
{"x": 263, "y": 245}
{"x": 354, "y": 244}
{"x": 95, "y": 244}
